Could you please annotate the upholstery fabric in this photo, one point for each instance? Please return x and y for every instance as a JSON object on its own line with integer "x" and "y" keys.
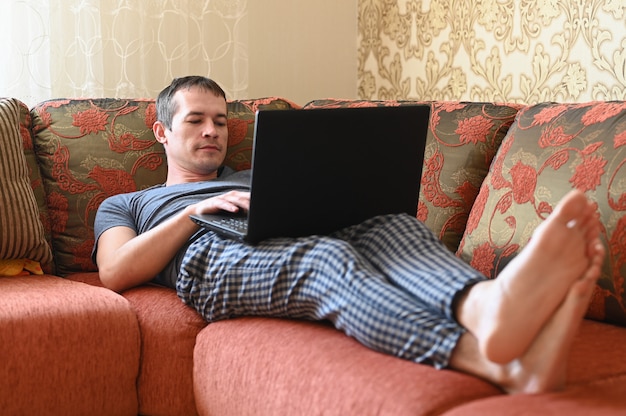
{"x": 351, "y": 379}
{"x": 21, "y": 230}
{"x": 89, "y": 150}
{"x": 604, "y": 398}
{"x": 461, "y": 142}
{"x": 550, "y": 149}
{"x": 122, "y": 156}
{"x": 67, "y": 348}
{"x": 331, "y": 374}
{"x": 122, "y": 153}
{"x": 168, "y": 335}
{"x": 36, "y": 181}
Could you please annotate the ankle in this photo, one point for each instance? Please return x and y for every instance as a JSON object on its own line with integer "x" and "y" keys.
{"x": 458, "y": 302}
{"x": 469, "y": 305}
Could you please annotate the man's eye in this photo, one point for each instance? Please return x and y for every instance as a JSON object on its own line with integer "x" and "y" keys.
{"x": 193, "y": 121}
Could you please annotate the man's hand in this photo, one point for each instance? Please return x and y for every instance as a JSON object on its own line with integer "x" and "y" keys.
{"x": 232, "y": 201}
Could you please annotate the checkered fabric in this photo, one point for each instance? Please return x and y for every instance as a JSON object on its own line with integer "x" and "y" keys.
{"x": 388, "y": 282}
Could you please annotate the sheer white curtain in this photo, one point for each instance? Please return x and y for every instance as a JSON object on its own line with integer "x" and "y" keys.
{"x": 119, "y": 48}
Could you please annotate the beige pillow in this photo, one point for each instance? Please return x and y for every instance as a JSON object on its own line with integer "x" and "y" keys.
{"x": 21, "y": 231}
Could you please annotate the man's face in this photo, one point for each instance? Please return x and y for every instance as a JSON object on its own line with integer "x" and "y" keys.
{"x": 197, "y": 142}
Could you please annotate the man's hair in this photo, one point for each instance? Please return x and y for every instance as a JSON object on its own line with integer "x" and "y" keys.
{"x": 166, "y": 106}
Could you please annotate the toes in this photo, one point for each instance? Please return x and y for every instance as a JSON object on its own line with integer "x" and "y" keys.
{"x": 572, "y": 206}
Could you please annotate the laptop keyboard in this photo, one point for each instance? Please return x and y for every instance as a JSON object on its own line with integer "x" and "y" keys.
{"x": 237, "y": 224}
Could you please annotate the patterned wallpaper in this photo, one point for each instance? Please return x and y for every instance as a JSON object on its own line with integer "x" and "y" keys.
{"x": 523, "y": 51}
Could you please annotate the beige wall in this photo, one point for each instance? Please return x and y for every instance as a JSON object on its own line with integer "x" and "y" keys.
{"x": 299, "y": 49}
{"x": 302, "y": 49}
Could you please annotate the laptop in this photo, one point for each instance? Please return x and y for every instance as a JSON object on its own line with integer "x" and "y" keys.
{"x": 319, "y": 170}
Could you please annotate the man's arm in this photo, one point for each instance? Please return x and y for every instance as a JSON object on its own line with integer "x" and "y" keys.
{"x": 126, "y": 259}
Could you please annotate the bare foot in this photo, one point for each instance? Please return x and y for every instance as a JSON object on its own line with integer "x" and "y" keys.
{"x": 542, "y": 368}
{"x": 507, "y": 313}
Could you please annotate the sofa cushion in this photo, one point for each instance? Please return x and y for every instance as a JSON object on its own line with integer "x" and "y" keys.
{"x": 89, "y": 150}
{"x": 264, "y": 366}
{"x": 168, "y": 334}
{"x": 36, "y": 181}
{"x": 461, "y": 142}
{"x": 595, "y": 381}
{"x": 550, "y": 149}
{"x": 604, "y": 398}
{"x": 21, "y": 230}
{"x": 66, "y": 348}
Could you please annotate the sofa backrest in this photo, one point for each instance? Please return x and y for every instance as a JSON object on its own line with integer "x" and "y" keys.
{"x": 83, "y": 151}
{"x": 89, "y": 149}
{"x": 493, "y": 172}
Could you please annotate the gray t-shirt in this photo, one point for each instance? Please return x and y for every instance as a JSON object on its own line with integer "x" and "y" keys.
{"x": 145, "y": 209}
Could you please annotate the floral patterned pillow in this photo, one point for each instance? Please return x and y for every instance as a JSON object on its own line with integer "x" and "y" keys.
{"x": 551, "y": 149}
{"x": 462, "y": 139}
{"x": 90, "y": 149}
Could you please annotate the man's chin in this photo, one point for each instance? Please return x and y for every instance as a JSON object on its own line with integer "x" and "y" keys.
{"x": 211, "y": 167}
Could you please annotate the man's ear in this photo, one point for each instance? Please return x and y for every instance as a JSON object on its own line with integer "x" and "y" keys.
{"x": 159, "y": 132}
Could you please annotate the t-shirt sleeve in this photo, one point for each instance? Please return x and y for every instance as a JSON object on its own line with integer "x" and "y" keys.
{"x": 113, "y": 212}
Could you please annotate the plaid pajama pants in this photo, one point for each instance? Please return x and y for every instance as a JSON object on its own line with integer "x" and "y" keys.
{"x": 388, "y": 282}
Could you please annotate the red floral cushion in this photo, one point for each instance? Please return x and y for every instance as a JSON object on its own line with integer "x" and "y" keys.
{"x": 551, "y": 149}
{"x": 461, "y": 142}
{"x": 89, "y": 150}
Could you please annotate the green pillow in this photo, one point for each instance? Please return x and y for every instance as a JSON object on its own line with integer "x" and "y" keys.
{"x": 550, "y": 149}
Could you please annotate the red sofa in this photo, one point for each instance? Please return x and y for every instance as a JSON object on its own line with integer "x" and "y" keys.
{"x": 71, "y": 347}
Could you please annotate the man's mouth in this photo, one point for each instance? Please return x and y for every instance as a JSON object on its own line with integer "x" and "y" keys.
{"x": 209, "y": 148}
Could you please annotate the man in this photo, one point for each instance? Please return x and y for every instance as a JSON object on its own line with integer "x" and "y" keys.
{"x": 388, "y": 282}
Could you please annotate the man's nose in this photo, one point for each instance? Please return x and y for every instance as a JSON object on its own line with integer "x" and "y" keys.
{"x": 209, "y": 129}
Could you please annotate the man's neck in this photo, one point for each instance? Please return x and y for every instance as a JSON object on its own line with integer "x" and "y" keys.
{"x": 175, "y": 178}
